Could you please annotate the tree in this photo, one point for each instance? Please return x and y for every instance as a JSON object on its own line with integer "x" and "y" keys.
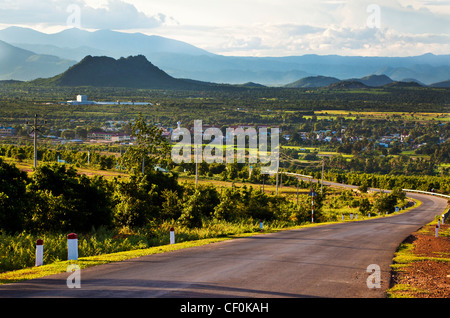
{"x": 385, "y": 203}
{"x": 191, "y": 216}
{"x": 135, "y": 201}
{"x": 364, "y": 206}
{"x": 172, "y": 205}
{"x": 62, "y": 200}
{"x": 13, "y": 198}
{"x": 149, "y": 148}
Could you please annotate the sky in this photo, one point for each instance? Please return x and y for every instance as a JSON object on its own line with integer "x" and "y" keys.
{"x": 255, "y": 27}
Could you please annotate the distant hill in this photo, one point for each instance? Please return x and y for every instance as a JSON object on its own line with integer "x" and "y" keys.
{"x": 324, "y": 81}
{"x": 412, "y": 80}
{"x": 441, "y": 84}
{"x": 20, "y": 64}
{"x": 102, "y": 71}
{"x": 313, "y": 81}
{"x": 347, "y": 84}
{"x": 423, "y": 73}
{"x": 250, "y": 85}
{"x": 402, "y": 85}
{"x": 375, "y": 80}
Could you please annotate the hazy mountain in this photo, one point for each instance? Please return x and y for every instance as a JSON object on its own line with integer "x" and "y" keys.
{"x": 441, "y": 84}
{"x": 313, "y": 81}
{"x": 350, "y": 84}
{"x": 115, "y": 44}
{"x": 402, "y": 84}
{"x": 102, "y": 71}
{"x": 413, "y": 80}
{"x": 182, "y": 60}
{"x": 323, "y": 81}
{"x": 424, "y": 73}
{"x": 19, "y": 64}
{"x": 376, "y": 80}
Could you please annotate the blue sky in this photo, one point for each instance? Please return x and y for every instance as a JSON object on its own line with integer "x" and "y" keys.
{"x": 256, "y": 27}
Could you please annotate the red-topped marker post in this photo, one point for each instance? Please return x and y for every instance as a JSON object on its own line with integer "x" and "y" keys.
{"x": 72, "y": 247}
{"x": 172, "y": 235}
{"x": 39, "y": 252}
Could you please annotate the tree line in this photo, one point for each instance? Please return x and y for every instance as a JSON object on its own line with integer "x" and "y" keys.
{"x": 56, "y": 199}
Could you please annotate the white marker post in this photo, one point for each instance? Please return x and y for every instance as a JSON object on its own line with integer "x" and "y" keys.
{"x": 436, "y": 231}
{"x": 172, "y": 235}
{"x": 39, "y": 252}
{"x": 72, "y": 247}
{"x": 312, "y": 194}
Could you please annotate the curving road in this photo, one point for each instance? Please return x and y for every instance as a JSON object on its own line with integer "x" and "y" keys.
{"x": 323, "y": 261}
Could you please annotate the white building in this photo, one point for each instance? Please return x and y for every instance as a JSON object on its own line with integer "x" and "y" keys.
{"x": 82, "y": 98}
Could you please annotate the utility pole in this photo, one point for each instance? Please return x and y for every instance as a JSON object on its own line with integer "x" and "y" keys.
{"x": 35, "y": 140}
{"x": 278, "y": 168}
{"x": 323, "y": 164}
{"x": 34, "y": 132}
{"x": 196, "y": 169}
{"x": 277, "y": 182}
{"x": 263, "y": 182}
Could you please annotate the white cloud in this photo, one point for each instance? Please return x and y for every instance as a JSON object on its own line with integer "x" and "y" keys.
{"x": 110, "y": 14}
{"x": 259, "y": 27}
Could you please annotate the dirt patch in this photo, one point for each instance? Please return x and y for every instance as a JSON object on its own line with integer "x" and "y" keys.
{"x": 427, "y": 278}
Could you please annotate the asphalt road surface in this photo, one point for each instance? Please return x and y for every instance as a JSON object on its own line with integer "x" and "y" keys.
{"x": 324, "y": 261}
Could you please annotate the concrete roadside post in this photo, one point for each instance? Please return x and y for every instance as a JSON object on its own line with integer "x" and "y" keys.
{"x": 436, "y": 231}
{"x": 39, "y": 252}
{"x": 72, "y": 247}
{"x": 172, "y": 235}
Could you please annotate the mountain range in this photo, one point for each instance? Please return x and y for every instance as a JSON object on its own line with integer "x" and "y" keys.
{"x": 20, "y": 64}
{"x": 26, "y": 54}
{"x": 138, "y": 72}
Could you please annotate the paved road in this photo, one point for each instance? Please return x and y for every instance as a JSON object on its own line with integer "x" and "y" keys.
{"x": 324, "y": 261}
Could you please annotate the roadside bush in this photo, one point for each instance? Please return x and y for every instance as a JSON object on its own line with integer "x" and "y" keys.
{"x": 13, "y": 198}
{"x": 62, "y": 200}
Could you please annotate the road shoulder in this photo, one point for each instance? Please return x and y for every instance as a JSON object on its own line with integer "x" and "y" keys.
{"x": 421, "y": 267}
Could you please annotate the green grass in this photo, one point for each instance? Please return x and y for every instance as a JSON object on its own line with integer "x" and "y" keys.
{"x": 105, "y": 246}
{"x": 421, "y": 116}
{"x": 83, "y": 262}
